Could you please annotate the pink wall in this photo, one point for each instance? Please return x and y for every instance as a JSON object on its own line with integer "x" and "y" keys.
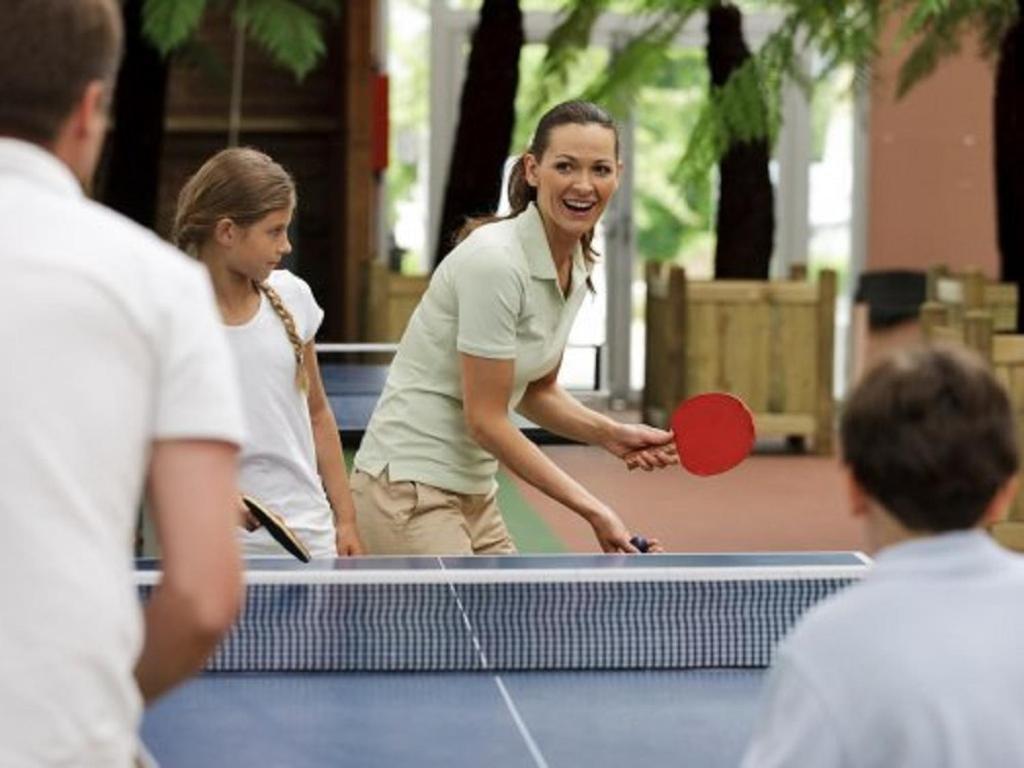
{"x": 931, "y": 197}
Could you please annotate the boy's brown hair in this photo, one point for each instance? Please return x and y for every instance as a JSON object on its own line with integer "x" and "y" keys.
{"x": 51, "y": 50}
{"x": 929, "y": 434}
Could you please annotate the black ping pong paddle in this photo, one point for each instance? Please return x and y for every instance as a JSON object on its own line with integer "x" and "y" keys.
{"x": 277, "y": 528}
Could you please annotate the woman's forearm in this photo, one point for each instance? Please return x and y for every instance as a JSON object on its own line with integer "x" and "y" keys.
{"x": 501, "y": 438}
{"x": 551, "y": 407}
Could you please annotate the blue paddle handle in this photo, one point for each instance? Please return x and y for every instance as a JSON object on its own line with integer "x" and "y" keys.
{"x": 640, "y": 543}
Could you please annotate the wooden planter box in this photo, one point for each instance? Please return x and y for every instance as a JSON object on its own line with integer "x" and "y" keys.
{"x": 769, "y": 342}
{"x": 1005, "y": 353}
{"x": 391, "y": 300}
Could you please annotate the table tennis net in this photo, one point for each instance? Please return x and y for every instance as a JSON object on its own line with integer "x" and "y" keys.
{"x": 523, "y": 613}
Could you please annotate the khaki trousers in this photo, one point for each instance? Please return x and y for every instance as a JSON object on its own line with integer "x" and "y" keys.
{"x": 412, "y": 518}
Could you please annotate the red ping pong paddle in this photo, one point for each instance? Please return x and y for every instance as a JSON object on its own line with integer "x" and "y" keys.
{"x": 277, "y": 528}
{"x": 713, "y": 431}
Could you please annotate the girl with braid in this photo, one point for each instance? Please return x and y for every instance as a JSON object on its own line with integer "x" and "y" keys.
{"x": 233, "y": 215}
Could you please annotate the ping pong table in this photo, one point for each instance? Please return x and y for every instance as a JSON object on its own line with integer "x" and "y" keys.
{"x": 534, "y": 661}
{"x": 530, "y": 719}
{"x": 353, "y": 387}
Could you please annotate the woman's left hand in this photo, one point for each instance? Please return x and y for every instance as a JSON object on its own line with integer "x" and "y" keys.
{"x": 347, "y": 541}
{"x": 642, "y": 447}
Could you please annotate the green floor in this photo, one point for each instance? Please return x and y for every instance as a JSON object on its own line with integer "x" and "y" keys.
{"x": 530, "y": 532}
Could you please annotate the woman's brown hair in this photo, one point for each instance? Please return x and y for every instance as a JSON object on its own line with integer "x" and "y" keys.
{"x": 243, "y": 185}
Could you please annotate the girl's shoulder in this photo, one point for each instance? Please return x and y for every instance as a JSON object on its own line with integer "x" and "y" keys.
{"x": 288, "y": 284}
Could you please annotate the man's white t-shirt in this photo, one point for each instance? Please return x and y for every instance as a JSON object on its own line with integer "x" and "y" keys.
{"x": 278, "y": 464}
{"x": 110, "y": 340}
{"x": 917, "y": 666}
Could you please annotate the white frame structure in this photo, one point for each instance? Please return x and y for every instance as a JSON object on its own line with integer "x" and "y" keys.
{"x": 451, "y": 30}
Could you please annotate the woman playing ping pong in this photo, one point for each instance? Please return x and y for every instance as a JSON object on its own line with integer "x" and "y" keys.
{"x": 233, "y": 215}
{"x": 488, "y": 336}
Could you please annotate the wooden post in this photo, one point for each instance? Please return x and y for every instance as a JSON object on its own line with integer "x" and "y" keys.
{"x": 931, "y": 292}
{"x": 359, "y": 183}
{"x": 665, "y": 352}
{"x": 978, "y": 332}
{"x": 974, "y": 289}
{"x": 825, "y": 433}
{"x": 933, "y": 315}
{"x": 654, "y": 345}
{"x": 677, "y": 335}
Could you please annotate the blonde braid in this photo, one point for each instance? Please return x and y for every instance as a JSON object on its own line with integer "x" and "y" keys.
{"x": 301, "y": 380}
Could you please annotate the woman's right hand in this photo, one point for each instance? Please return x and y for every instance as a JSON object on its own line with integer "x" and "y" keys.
{"x": 245, "y": 517}
{"x": 612, "y": 534}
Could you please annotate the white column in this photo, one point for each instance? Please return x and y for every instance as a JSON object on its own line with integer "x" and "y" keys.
{"x": 792, "y": 191}
{"x": 619, "y": 270}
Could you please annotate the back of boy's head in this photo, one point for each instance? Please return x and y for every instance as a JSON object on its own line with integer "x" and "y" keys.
{"x": 51, "y": 50}
{"x": 929, "y": 434}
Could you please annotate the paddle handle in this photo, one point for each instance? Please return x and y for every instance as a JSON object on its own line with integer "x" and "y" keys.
{"x": 640, "y": 543}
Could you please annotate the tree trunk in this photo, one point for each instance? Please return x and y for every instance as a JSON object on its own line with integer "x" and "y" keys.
{"x": 1009, "y": 157}
{"x": 132, "y": 175}
{"x": 487, "y": 118}
{"x": 746, "y": 213}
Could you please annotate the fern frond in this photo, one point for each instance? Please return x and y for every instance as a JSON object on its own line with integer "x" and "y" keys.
{"x": 169, "y": 23}
{"x": 564, "y": 45}
{"x": 286, "y": 30}
{"x": 618, "y": 86}
{"x": 995, "y": 20}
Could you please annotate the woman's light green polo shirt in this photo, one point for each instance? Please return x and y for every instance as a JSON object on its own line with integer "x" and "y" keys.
{"x": 495, "y": 295}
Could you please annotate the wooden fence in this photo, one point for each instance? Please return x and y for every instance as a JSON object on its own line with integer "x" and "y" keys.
{"x": 768, "y": 342}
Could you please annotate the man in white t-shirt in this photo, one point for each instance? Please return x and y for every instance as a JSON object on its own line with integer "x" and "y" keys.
{"x": 918, "y": 666}
{"x": 116, "y": 376}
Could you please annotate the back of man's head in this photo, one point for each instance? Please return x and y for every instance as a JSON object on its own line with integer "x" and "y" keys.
{"x": 929, "y": 434}
{"x": 50, "y": 50}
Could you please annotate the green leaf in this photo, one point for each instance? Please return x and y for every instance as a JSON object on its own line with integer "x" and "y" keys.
{"x": 286, "y": 30}
{"x": 202, "y": 56}
{"x": 564, "y": 46}
{"x": 635, "y": 64}
{"x": 169, "y": 23}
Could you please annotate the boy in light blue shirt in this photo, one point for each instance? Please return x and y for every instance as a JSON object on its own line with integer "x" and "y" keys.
{"x": 919, "y": 666}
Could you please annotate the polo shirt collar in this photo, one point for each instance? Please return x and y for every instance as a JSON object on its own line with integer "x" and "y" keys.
{"x": 538, "y": 253}
{"x": 956, "y": 553}
{"x": 37, "y": 165}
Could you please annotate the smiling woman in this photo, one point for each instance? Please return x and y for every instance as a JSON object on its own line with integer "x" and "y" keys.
{"x": 487, "y": 337}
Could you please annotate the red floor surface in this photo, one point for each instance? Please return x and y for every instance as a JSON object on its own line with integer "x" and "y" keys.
{"x": 768, "y": 503}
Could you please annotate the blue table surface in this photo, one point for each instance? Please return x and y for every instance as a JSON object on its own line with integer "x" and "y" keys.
{"x": 350, "y": 379}
{"x": 542, "y": 719}
{"x": 529, "y": 719}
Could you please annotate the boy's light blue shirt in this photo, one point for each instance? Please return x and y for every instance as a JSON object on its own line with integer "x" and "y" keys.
{"x": 919, "y": 666}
